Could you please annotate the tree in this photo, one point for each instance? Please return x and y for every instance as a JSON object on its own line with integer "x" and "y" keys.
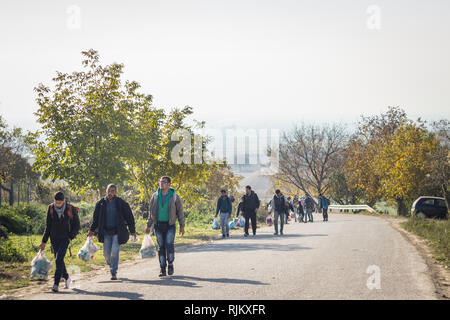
{"x": 86, "y": 123}
{"x": 309, "y": 155}
{"x": 14, "y": 164}
{"x": 404, "y": 163}
{"x": 372, "y": 134}
{"x": 438, "y": 180}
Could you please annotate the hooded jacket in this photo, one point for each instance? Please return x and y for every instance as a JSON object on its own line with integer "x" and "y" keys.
{"x": 175, "y": 209}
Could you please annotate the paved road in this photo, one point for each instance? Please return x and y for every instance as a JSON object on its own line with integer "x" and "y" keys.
{"x": 311, "y": 261}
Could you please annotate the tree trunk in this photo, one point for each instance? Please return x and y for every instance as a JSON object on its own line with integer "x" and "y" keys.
{"x": 11, "y": 195}
{"x": 401, "y": 207}
{"x": 446, "y": 195}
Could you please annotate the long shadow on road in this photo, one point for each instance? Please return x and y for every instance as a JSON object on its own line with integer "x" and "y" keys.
{"x": 251, "y": 243}
{"x": 111, "y": 294}
{"x": 181, "y": 281}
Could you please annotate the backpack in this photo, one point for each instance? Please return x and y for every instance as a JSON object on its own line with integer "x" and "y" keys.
{"x": 70, "y": 208}
{"x": 328, "y": 201}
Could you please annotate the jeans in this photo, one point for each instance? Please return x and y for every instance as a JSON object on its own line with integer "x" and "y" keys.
{"x": 286, "y": 217}
{"x": 111, "y": 249}
{"x": 275, "y": 222}
{"x": 247, "y": 217}
{"x": 309, "y": 215}
{"x": 59, "y": 247}
{"x": 165, "y": 236}
{"x": 224, "y": 217}
{"x": 325, "y": 214}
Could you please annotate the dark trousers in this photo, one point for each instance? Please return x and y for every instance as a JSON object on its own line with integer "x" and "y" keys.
{"x": 250, "y": 216}
{"x": 325, "y": 214}
{"x": 59, "y": 247}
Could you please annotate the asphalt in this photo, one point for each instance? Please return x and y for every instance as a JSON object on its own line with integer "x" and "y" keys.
{"x": 348, "y": 257}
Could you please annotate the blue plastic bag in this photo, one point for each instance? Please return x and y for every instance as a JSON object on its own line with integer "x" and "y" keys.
{"x": 231, "y": 225}
{"x": 215, "y": 224}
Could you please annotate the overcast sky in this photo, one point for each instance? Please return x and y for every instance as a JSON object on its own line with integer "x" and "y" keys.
{"x": 255, "y": 64}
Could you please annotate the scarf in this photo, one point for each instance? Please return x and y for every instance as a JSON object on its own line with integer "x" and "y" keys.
{"x": 60, "y": 211}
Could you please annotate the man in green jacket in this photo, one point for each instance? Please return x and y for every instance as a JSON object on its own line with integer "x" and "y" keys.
{"x": 165, "y": 208}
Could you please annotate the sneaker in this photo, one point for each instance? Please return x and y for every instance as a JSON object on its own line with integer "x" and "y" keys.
{"x": 228, "y": 235}
{"x": 162, "y": 273}
{"x": 170, "y": 270}
{"x": 223, "y": 236}
{"x": 275, "y": 233}
{"x": 245, "y": 234}
{"x": 68, "y": 282}
{"x": 281, "y": 233}
{"x": 55, "y": 288}
{"x": 113, "y": 277}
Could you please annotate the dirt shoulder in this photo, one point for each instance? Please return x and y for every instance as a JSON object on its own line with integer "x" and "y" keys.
{"x": 439, "y": 273}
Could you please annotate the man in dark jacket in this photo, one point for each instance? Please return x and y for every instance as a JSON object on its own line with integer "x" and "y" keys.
{"x": 278, "y": 206}
{"x": 62, "y": 227}
{"x": 225, "y": 207}
{"x": 112, "y": 215}
{"x": 309, "y": 206}
{"x": 250, "y": 207}
{"x": 324, "y": 202}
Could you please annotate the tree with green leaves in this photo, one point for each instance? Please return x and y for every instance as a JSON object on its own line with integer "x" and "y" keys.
{"x": 86, "y": 120}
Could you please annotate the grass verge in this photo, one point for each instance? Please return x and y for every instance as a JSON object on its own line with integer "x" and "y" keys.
{"x": 436, "y": 232}
{"x": 14, "y": 275}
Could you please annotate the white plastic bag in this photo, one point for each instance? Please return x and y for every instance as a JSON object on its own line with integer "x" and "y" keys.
{"x": 41, "y": 266}
{"x": 148, "y": 247}
{"x": 88, "y": 250}
{"x": 215, "y": 224}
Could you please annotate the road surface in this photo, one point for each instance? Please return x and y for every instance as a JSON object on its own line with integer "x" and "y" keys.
{"x": 348, "y": 257}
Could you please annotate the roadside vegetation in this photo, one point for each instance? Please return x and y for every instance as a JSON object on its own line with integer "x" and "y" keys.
{"x": 437, "y": 234}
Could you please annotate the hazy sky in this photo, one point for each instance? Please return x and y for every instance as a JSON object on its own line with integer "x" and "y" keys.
{"x": 254, "y": 63}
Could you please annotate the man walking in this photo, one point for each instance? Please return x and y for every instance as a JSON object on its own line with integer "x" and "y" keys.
{"x": 62, "y": 227}
{"x": 165, "y": 208}
{"x": 112, "y": 215}
{"x": 289, "y": 208}
{"x": 250, "y": 207}
{"x": 309, "y": 206}
{"x": 224, "y": 206}
{"x": 278, "y": 205}
{"x": 324, "y": 202}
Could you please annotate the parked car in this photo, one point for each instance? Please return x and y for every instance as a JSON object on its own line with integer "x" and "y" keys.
{"x": 430, "y": 207}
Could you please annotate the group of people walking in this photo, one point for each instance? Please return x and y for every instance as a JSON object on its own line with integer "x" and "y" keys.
{"x": 279, "y": 205}
{"x": 112, "y": 223}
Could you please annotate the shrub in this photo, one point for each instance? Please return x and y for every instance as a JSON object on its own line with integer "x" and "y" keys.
{"x": 12, "y": 220}
{"x": 9, "y": 253}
